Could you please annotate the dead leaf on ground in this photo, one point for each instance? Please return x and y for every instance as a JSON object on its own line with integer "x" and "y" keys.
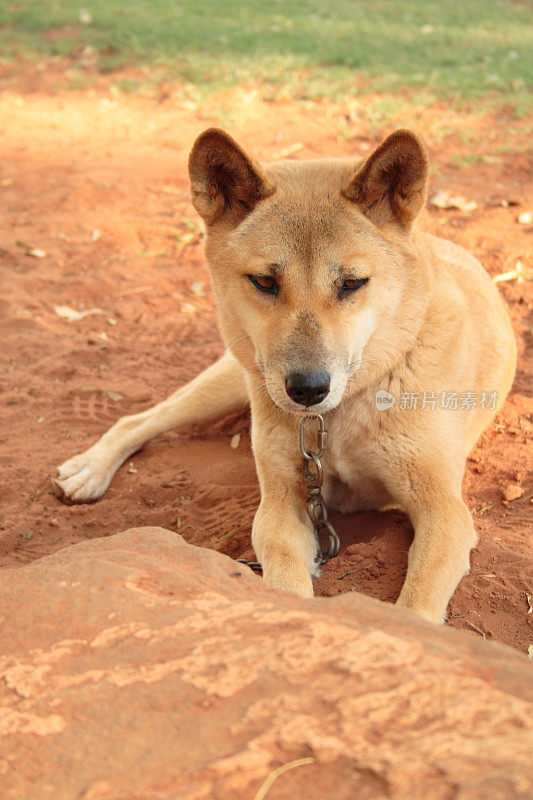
{"x": 187, "y": 238}
{"x": 529, "y": 603}
{"x": 288, "y": 151}
{"x": 188, "y": 308}
{"x": 235, "y": 441}
{"x": 114, "y": 396}
{"x": 171, "y": 189}
{"x": 521, "y": 273}
{"x": 198, "y": 288}
{"x": 30, "y": 250}
{"x": 525, "y": 218}
{"x": 71, "y": 315}
{"x": 445, "y": 199}
{"x": 530, "y": 651}
{"x": 96, "y": 338}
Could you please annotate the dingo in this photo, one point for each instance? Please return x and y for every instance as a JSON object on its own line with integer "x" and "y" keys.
{"x": 331, "y": 301}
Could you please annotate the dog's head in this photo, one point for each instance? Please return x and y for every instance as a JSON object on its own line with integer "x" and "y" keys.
{"x": 311, "y": 261}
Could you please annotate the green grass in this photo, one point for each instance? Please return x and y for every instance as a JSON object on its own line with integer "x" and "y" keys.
{"x": 462, "y": 49}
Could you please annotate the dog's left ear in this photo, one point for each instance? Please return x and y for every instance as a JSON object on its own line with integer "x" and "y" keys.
{"x": 391, "y": 185}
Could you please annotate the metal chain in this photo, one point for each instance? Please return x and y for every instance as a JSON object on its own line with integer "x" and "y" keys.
{"x": 313, "y": 476}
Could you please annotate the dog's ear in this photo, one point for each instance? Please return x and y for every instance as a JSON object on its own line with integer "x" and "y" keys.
{"x": 225, "y": 183}
{"x": 391, "y": 184}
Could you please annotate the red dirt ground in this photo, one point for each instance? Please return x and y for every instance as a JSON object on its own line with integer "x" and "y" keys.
{"x": 78, "y": 162}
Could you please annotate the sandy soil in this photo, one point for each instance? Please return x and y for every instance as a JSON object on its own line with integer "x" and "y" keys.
{"x": 97, "y": 180}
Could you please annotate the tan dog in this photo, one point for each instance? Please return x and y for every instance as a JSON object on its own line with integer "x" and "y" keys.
{"x": 330, "y": 301}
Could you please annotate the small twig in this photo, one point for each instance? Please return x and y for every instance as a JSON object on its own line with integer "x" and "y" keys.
{"x": 226, "y": 536}
{"x": 189, "y": 525}
{"x": 261, "y": 794}
{"x": 133, "y": 291}
{"x": 475, "y": 628}
{"x": 367, "y": 566}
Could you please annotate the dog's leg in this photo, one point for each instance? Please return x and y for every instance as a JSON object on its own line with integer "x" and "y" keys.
{"x": 282, "y": 535}
{"x": 216, "y": 391}
{"x": 284, "y": 542}
{"x": 440, "y": 553}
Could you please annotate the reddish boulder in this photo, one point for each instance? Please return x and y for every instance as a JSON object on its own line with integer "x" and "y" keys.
{"x": 139, "y": 667}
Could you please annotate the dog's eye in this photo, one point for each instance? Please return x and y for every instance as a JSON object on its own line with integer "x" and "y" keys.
{"x": 352, "y": 285}
{"x": 265, "y": 283}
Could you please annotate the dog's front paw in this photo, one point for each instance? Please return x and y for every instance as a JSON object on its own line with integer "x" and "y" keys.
{"x": 83, "y": 478}
{"x": 289, "y": 576}
{"x": 430, "y": 614}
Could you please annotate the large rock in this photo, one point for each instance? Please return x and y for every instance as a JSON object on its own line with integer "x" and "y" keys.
{"x": 139, "y": 667}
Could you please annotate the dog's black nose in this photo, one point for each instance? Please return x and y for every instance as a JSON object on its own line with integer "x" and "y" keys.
{"x": 308, "y": 388}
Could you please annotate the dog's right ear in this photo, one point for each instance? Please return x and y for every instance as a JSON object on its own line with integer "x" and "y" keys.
{"x": 225, "y": 183}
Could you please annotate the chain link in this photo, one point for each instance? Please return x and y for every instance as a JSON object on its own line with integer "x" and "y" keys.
{"x": 313, "y": 476}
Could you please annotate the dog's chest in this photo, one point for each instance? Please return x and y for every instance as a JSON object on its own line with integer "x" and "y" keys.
{"x": 354, "y": 467}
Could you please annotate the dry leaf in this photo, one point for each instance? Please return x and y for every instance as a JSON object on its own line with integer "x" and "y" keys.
{"x": 198, "y": 288}
{"x": 71, "y": 315}
{"x": 131, "y": 468}
{"x": 529, "y": 603}
{"x": 96, "y": 234}
{"x": 36, "y": 253}
{"x": 520, "y": 274}
{"x": 171, "y": 189}
{"x": 187, "y": 238}
{"x": 114, "y": 396}
{"x": 445, "y": 199}
{"x": 288, "y": 151}
{"x": 235, "y": 441}
{"x": 530, "y": 651}
{"x": 525, "y": 218}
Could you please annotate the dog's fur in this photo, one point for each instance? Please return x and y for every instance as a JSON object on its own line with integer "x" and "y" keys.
{"x": 429, "y": 320}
